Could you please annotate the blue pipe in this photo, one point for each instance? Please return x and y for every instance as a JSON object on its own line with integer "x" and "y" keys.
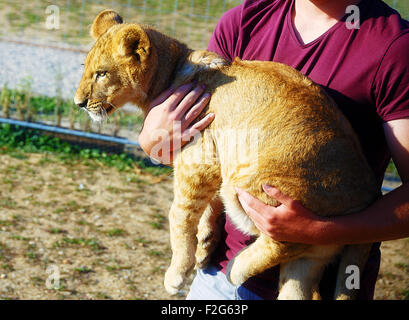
{"x": 96, "y": 136}
{"x": 387, "y": 189}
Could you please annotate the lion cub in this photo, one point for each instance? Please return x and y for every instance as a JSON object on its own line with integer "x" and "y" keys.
{"x": 272, "y": 126}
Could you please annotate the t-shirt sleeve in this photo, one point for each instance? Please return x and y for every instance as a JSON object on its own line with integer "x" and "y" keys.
{"x": 391, "y": 83}
{"x": 224, "y": 37}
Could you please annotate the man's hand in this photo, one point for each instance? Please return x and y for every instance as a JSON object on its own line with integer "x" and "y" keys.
{"x": 167, "y": 126}
{"x": 290, "y": 221}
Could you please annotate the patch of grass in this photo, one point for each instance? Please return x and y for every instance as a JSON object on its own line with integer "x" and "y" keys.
{"x": 16, "y": 141}
{"x": 390, "y": 275}
{"x": 8, "y": 203}
{"x": 116, "y": 232}
{"x": 113, "y": 190}
{"x": 113, "y": 268}
{"x": 91, "y": 243}
{"x": 155, "y": 253}
{"x": 12, "y": 16}
{"x": 142, "y": 241}
{"x": 158, "y": 222}
{"x": 62, "y": 285}
{"x": 158, "y": 270}
{"x": 37, "y": 281}
{"x": 18, "y": 237}
{"x": 391, "y": 169}
{"x": 56, "y": 231}
{"x": 7, "y": 267}
{"x": 5, "y": 252}
{"x": 102, "y": 295}
{"x": 155, "y": 171}
{"x": 133, "y": 178}
{"x": 72, "y": 206}
{"x": 403, "y": 266}
{"x": 83, "y": 270}
{"x": 6, "y": 223}
{"x": 31, "y": 254}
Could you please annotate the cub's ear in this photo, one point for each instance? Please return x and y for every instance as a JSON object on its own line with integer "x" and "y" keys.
{"x": 131, "y": 40}
{"x": 104, "y": 20}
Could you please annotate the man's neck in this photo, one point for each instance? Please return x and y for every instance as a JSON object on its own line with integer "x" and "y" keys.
{"x": 312, "y": 18}
{"x": 323, "y": 9}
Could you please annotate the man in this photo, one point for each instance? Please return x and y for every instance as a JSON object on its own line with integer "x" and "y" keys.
{"x": 364, "y": 66}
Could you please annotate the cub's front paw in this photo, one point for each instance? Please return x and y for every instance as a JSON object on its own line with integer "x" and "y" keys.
{"x": 174, "y": 281}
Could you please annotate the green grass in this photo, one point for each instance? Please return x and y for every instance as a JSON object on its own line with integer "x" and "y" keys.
{"x": 155, "y": 253}
{"x": 402, "y": 6}
{"x": 83, "y": 270}
{"x": 391, "y": 169}
{"x": 403, "y": 266}
{"x": 116, "y": 232}
{"x": 23, "y": 105}
{"x": 56, "y": 231}
{"x": 158, "y": 221}
{"x": 7, "y": 202}
{"x": 18, "y": 237}
{"x": 113, "y": 268}
{"x": 17, "y": 141}
{"x": 91, "y": 243}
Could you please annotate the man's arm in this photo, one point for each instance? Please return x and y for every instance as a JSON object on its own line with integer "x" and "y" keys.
{"x": 385, "y": 219}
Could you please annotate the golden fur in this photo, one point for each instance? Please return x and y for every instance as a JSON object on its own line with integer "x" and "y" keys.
{"x": 272, "y": 126}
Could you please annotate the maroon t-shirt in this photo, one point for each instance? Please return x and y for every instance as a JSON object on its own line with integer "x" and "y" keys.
{"x": 365, "y": 70}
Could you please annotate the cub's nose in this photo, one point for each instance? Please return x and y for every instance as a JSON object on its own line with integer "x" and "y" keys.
{"x": 82, "y": 104}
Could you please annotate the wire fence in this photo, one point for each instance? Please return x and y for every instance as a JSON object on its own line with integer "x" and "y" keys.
{"x": 68, "y": 21}
{"x": 45, "y": 42}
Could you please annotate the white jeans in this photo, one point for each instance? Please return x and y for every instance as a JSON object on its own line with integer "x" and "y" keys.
{"x": 212, "y": 284}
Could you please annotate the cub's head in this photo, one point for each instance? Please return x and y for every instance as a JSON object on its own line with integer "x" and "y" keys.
{"x": 118, "y": 69}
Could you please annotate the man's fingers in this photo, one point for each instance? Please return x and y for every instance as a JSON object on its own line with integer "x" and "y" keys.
{"x": 279, "y": 196}
{"x": 194, "y": 111}
{"x": 250, "y": 211}
{"x": 178, "y": 95}
{"x": 188, "y": 102}
{"x": 161, "y": 98}
{"x": 256, "y": 206}
{"x": 197, "y": 127}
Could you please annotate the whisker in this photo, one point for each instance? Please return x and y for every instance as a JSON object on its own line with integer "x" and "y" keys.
{"x": 113, "y": 106}
{"x": 104, "y": 114}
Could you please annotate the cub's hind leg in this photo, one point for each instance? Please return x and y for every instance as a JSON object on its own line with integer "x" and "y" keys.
{"x": 209, "y": 230}
{"x": 299, "y": 278}
{"x": 261, "y": 255}
{"x": 194, "y": 186}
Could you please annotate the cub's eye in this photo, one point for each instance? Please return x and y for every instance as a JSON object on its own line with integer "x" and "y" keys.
{"x": 101, "y": 74}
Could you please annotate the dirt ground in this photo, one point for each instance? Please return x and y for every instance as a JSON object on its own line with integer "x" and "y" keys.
{"x": 104, "y": 232}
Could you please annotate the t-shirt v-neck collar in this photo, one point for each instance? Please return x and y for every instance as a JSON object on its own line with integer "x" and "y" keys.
{"x": 297, "y": 38}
